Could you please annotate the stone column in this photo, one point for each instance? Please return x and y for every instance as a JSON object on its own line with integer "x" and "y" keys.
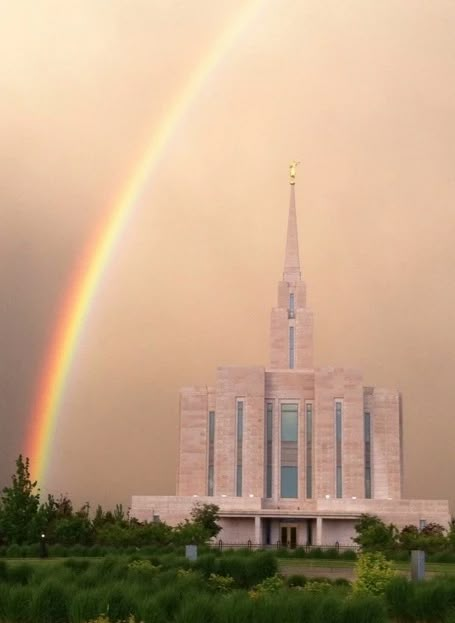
{"x": 318, "y": 530}
{"x": 258, "y": 530}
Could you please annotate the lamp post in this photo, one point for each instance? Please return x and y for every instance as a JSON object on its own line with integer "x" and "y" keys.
{"x": 43, "y": 546}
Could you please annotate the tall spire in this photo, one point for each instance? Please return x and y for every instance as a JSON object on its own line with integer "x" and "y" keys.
{"x": 291, "y": 270}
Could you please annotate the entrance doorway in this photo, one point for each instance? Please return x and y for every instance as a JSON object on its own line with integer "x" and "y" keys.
{"x": 289, "y": 536}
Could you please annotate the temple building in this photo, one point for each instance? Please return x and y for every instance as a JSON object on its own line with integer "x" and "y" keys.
{"x": 291, "y": 453}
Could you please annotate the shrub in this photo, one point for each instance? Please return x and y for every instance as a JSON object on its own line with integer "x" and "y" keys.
{"x": 364, "y": 609}
{"x": 374, "y": 573}
{"x": 19, "y": 605}
{"x": 266, "y": 587}
{"x": 343, "y": 583}
{"x": 317, "y": 585}
{"x": 50, "y": 603}
{"x": 296, "y": 580}
{"x": 221, "y": 583}
{"x": 348, "y": 554}
{"x": 142, "y": 570}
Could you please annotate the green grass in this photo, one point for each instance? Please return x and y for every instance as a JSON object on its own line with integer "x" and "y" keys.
{"x": 306, "y": 563}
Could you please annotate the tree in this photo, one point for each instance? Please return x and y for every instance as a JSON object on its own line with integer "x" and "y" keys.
{"x": 374, "y": 573}
{"x": 374, "y": 535}
{"x": 206, "y": 516}
{"x": 19, "y": 506}
{"x": 410, "y": 538}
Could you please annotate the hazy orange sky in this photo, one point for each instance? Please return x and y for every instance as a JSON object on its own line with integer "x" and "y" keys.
{"x": 362, "y": 92}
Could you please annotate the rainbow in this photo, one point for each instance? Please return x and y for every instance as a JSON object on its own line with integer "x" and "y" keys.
{"x": 80, "y": 294}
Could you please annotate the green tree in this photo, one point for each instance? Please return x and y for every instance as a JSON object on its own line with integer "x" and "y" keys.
{"x": 19, "y": 506}
{"x": 374, "y": 535}
{"x": 409, "y": 538}
{"x": 206, "y": 516}
{"x": 374, "y": 573}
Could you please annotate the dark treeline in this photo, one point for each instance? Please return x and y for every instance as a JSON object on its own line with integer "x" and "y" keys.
{"x": 26, "y": 519}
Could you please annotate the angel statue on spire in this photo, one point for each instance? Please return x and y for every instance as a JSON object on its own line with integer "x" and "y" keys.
{"x": 292, "y": 171}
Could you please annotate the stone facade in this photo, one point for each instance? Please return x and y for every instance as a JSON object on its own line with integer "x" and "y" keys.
{"x": 293, "y": 453}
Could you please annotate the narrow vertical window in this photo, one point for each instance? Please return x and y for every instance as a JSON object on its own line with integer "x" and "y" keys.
{"x": 338, "y": 447}
{"x": 291, "y": 347}
{"x": 239, "y": 462}
{"x": 291, "y": 305}
{"x": 268, "y": 449}
{"x": 309, "y": 450}
{"x": 367, "y": 434}
{"x": 211, "y": 457}
{"x": 289, "y": 450}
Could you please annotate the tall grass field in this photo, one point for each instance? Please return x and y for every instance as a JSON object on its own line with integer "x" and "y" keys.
{"x": 232, "y": 587}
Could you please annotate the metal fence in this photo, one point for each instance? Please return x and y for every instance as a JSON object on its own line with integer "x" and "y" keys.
{"x": 221, "y": 545}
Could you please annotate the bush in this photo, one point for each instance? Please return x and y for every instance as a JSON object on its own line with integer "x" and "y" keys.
{"x": 317, "y": 585}
{"x": 348, "y": 554}
{"x": 296, "y": 580}
{"x": 142, "y": 570}
{"x": 3, "y": 571}
{"x": 50, "y": 603}
{"x": 364, "y": 609}
{"x": 270, "y": 585}
{"x": 221, "y": 583}
{"x": 374, "y": 573}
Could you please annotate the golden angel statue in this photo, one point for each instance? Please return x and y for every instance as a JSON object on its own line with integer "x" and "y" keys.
{"x": 292, "y": 171}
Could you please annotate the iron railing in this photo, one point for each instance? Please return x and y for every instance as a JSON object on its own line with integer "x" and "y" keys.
{"x": 220, "y": 544}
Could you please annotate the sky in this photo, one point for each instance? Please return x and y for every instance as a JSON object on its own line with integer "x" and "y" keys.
{"x": 362, "y": 92}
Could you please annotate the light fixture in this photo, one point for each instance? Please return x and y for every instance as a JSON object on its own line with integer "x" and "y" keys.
{"x": 354, "y": 497}
{"x": 251, "y": 495}
{"x": 327, "y": 497}
{"x": 195, "y": 495}
{"x": 223, "y": 495}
